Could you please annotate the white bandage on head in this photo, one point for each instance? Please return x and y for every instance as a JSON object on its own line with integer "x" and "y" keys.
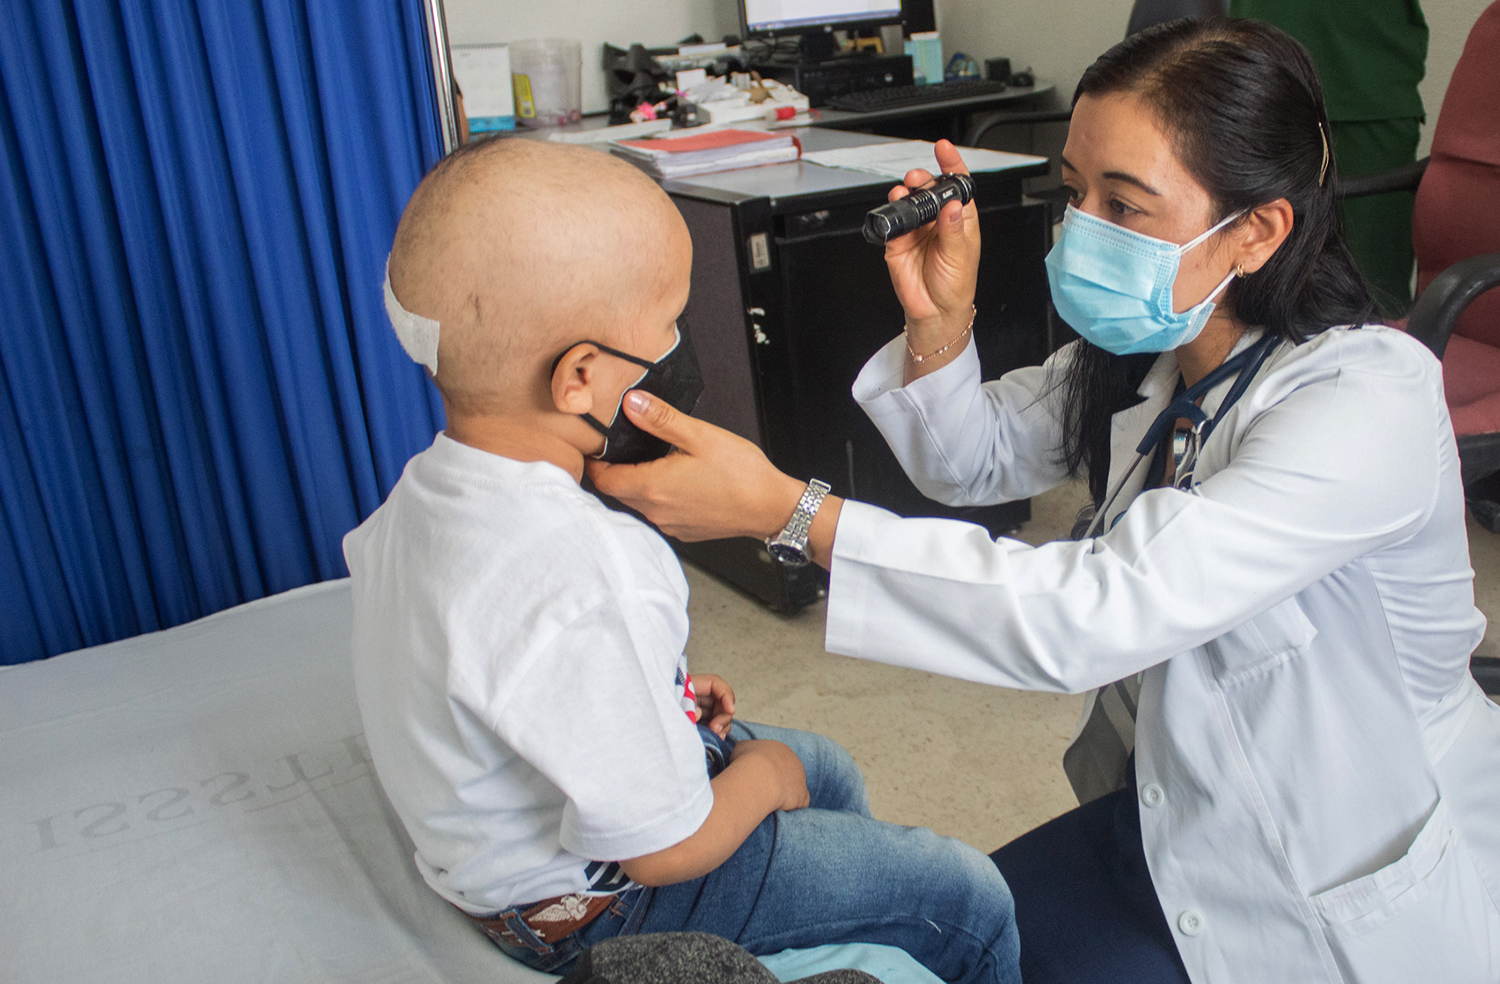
{"x": 418, "y": 335}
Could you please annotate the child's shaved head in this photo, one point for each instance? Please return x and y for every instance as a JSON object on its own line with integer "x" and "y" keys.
{"x": 519, "y": 248}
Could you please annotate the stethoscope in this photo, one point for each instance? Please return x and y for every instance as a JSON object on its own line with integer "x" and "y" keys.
{"x": 1187, "y": 444}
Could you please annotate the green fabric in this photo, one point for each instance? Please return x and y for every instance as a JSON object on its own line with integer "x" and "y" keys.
{"x": 1370, "y": 54}
{"x": 1379, "y": 227}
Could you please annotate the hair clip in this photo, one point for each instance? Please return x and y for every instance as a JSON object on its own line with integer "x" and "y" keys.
{"x": 1323, "y": 169}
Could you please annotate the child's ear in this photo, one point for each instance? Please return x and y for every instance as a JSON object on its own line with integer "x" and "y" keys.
{"x": 573, "y": 378}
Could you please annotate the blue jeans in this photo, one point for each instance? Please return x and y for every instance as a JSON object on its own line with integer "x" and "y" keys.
{"x": 830, "y": 874}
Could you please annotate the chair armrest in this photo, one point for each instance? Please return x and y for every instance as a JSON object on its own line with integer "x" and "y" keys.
{"x": 1404, "y": 178}
{"x": 1486, "y": 670}
{"x": 1436, "y": 311}
{"x": 978, "y": 130}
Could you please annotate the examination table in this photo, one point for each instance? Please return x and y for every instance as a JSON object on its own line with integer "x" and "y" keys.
{"x": 198, "y": 805}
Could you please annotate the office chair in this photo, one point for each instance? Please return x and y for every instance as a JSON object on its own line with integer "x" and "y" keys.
{"x": 1456, "y": 235}
{"x": 1444, "y": 319}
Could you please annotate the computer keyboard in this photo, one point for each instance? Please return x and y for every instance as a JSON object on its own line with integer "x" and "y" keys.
{"x": 895, "y": 96}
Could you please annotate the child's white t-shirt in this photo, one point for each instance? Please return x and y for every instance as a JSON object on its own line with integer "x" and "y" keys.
{"x": 515, "y": 648}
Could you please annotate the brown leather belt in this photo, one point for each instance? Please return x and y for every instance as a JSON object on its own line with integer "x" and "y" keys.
{"x": 550, "y": 919}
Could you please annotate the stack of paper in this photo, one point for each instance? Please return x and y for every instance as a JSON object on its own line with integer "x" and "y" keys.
{"x": 894, "y": 159}
{"x": 717, "y": 150}
{"x": 604, "y": 134}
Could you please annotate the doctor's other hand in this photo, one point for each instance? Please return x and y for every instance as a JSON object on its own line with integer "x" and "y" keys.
{"x": 715, "y": 485}
{"x": 935, "y": 267}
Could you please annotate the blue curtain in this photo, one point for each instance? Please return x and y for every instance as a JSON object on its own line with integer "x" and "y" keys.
{"x": 199, "y": 390}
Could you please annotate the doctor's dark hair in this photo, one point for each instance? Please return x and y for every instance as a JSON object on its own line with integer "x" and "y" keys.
{"x": 1243, "y": 106}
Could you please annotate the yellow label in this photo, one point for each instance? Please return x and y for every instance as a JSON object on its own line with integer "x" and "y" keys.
{"x": 525, "y": 107}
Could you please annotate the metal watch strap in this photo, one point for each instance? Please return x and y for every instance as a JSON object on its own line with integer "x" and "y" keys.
{"x": 794, "y": 535}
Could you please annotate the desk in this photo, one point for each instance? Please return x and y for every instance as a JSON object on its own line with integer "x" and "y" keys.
{"x": 788, "y": 302}
{"x": 930, "y": 121}
{"x": 948, "y": 119}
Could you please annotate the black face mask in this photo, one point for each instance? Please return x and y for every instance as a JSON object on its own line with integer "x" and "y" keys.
{"x": 675, "y": 377}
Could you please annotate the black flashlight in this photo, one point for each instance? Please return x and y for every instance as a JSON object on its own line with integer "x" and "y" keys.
{"x": 917, "y": 209}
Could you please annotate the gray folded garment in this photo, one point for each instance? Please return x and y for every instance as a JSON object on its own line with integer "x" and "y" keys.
{"x": 685, "y": 958}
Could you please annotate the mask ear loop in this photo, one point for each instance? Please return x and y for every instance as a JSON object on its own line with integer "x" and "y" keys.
{"x": 1224, "y": 284}
{"x": 1198, "y": 239}
{"x": 564, "y": 354}
{"x": 589, "y": 418}
{"x": 647, "y": 363}
{"x": 1237, "y": 271}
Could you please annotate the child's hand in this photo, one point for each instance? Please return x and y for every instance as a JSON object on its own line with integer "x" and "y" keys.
{"x": 781, "y": 766}
{"x": 715, "y": 703}
{"x": 762, "y": 777}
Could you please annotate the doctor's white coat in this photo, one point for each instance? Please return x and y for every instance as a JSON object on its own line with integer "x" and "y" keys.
{"x": 1319, "y": 775}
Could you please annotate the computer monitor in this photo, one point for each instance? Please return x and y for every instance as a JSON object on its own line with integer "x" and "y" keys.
{"x": 814, "y": 19}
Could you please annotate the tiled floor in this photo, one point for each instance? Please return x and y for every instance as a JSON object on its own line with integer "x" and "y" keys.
{"x": 978, "y": 763}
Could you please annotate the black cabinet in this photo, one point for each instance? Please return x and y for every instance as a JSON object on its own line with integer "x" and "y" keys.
{"x": 788, "y": 302}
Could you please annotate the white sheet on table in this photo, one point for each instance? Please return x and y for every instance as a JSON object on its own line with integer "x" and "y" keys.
{"x": 197, "y": 805}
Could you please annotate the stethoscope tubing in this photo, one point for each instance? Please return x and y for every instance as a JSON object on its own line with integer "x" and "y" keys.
{"x": 1248, "y": 363}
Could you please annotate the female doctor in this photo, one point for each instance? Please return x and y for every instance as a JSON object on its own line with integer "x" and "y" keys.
{"x": 1287, "y": 772}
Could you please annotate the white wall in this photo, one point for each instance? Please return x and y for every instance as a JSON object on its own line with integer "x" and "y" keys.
{"x": 1449, "y": 21}
{"x": 592, "y": 22}
{"x": 1058, "y": 39}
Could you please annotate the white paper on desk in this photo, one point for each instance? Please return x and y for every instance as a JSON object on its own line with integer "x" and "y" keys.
{"x": 603, "y": 134}
{"x": 893, "y": 160}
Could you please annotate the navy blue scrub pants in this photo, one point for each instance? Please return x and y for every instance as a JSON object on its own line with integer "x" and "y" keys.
{"x": 1085, "y": 906}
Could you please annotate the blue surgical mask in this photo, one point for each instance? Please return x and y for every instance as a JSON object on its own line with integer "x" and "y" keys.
{"x": 1114, "y": 286}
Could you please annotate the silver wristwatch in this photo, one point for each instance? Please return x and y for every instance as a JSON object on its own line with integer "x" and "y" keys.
{"x": 790, "y": 545}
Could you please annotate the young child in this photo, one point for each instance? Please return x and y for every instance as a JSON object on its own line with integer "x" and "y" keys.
{"x": 518, "y": 646}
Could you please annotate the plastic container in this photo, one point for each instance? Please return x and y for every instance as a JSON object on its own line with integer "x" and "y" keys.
{"x": 547, "y": 77}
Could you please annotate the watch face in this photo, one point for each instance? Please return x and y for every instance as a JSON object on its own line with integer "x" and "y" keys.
{"x": 788, "y": 554}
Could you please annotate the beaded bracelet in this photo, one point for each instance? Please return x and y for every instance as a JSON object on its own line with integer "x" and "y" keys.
{"x": 919, "y": 359}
